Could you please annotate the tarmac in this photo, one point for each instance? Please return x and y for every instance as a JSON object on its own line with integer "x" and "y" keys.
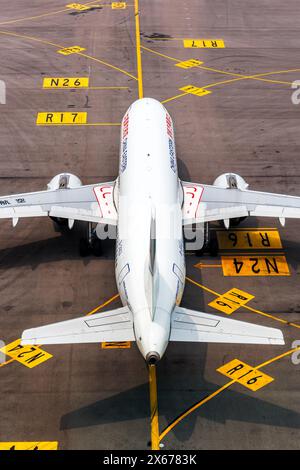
{"x": 95, "y": 397}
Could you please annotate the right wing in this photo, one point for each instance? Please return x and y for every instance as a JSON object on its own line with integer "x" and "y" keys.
{"x": 190, "y": 325}
{"x": 113, "y": 325}
{"x": 207, "y": 203}
{"x": 91, "y": 203}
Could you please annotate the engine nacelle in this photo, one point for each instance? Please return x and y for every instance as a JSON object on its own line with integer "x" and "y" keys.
{"x": 64, "y": 181}
{"x": 231, "y": 181}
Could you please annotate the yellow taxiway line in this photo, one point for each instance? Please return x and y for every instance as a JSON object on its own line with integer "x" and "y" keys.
{"x": 138, "y": 48}
{"x": 251, "y": 309}
{"x": 87, "y": 56}
{"x": 217, "y": 392}
{"x": 153, "y": 408}
{"x": 42, "y": 15}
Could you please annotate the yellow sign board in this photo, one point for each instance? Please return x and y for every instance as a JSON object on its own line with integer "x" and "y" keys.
{"x": 118, "y": 5}
{"x": 246, "y": 375}
{"x": 30, "y": 356}
{"x": 52, "y": 445}
{"x": 194, "y": 90}
{"x": 116, "y": 345}
{"x": 187, "y": 64}
{"x": 248, "y": 239}
{"x": 48, "y": 119}
{"x": 255, "y": 265}
{"x": 66, "y": 82}
{"x": 77, "y": 6}
{"x": 231, "y": 301}
{"x": 204, "y": 43}
{"x": 71, "y": 50}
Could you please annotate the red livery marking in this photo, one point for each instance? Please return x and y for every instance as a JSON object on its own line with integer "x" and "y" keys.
{"x": 103, "y": 193}
{"x": 169, "y": 126}
{"x": 192, "y": 198}
{"x": 125, "y": 125}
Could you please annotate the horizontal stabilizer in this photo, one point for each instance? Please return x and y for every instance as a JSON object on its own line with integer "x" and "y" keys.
{"x": 114, "y": 325}
{"x": 193, "y": 326}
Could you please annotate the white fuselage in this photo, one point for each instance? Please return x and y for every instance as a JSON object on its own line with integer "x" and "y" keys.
{"x": 150, "y": 265}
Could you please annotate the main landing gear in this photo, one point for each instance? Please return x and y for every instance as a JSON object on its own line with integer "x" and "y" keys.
{"x": 210, "y": 244}
{"x": 90, "y": 243}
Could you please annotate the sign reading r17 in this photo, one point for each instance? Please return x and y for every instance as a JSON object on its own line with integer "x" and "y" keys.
{"x": 61, "y": 118}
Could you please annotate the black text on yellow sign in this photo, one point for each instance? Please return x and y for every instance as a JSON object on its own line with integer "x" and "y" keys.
{"x": 231, "y": 301}
{"x": 204, "y": 43}
{"x": 260, "y": 265}
{"x": 66, "y": 82}
{"x": 64, "y": 118}
{"x": 71, "y": 50}
{"x": 51, "y": 445}
{"x": 248, "y": 239}
{"x": 29, "y": 356}
{"x": 118, "y": 5}
{"x": 77, "y": 6}
{"x": 246, "y": 375}
{"x": 193, "y": 90}
{"x": 187, "y": 64}
{"x": 116, "y": 345}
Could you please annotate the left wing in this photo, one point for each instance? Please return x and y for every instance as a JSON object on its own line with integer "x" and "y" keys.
{"x": 205, "y": 203}
{"x": 113, "y": 325}
{"x": 91, "y": 203}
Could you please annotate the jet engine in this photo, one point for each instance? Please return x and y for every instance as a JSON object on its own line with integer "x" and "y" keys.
{"x": 63, "y": 181}
{"x": 231, "y": 181}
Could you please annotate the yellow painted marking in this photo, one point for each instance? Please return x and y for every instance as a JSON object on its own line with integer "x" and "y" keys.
{"x": 30, "y": 356}
{"x": 51, "y": 445}
{"x": 255, "y": 265}
{"x": 187, "y": 64}
{"x": 248, "y": 239}
{"x": 107, "y": 302}
{"x": 194, "y": 90}
{"x": 153, "y": 408}
{"x": 138, "y": 48}
{"x": 258, "y": 77}
{"x": 61, "y": 118}
{"x": 116, "y": 344}
{"x": 231, "y": 301}
{"x": 204, "y": 43}
{"x": 203, "y": 265}
{"x": 215, "y": 393}
{"x": 77, "y": 6}
{"x": 174, "y": 98}
{"x": 66, "y": 82}
{"x": 107, "y": 65}
{"x": 42, "y": 15}
{"x": 118, "y": 5}
{"x": 246, "y": 375}
{"x": 71, "y": 50}
{"x": 6, "y": 362}
{"x": 251, "y": 309}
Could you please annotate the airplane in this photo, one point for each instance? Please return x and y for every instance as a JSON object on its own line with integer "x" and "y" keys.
{"x": 149, "y": 206}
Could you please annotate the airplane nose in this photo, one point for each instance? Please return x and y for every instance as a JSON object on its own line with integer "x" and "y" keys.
{"x": 152, "y": 358}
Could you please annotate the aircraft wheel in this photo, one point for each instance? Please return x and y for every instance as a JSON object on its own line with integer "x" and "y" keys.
{"x": 84, "y": 248}
{"x": 213, "y": 247}
{"x": 97, "y": 247}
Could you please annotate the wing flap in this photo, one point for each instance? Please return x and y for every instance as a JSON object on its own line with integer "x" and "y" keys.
{"x": 205, "y": 203}
{"x": 114, "y": 325}
{"x": 92, "y": 203}
{"x": 192, "y": 326}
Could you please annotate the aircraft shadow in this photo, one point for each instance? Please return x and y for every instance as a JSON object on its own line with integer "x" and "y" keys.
{"x": 181, "y": 383}
{"x": 61, "y": 247}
